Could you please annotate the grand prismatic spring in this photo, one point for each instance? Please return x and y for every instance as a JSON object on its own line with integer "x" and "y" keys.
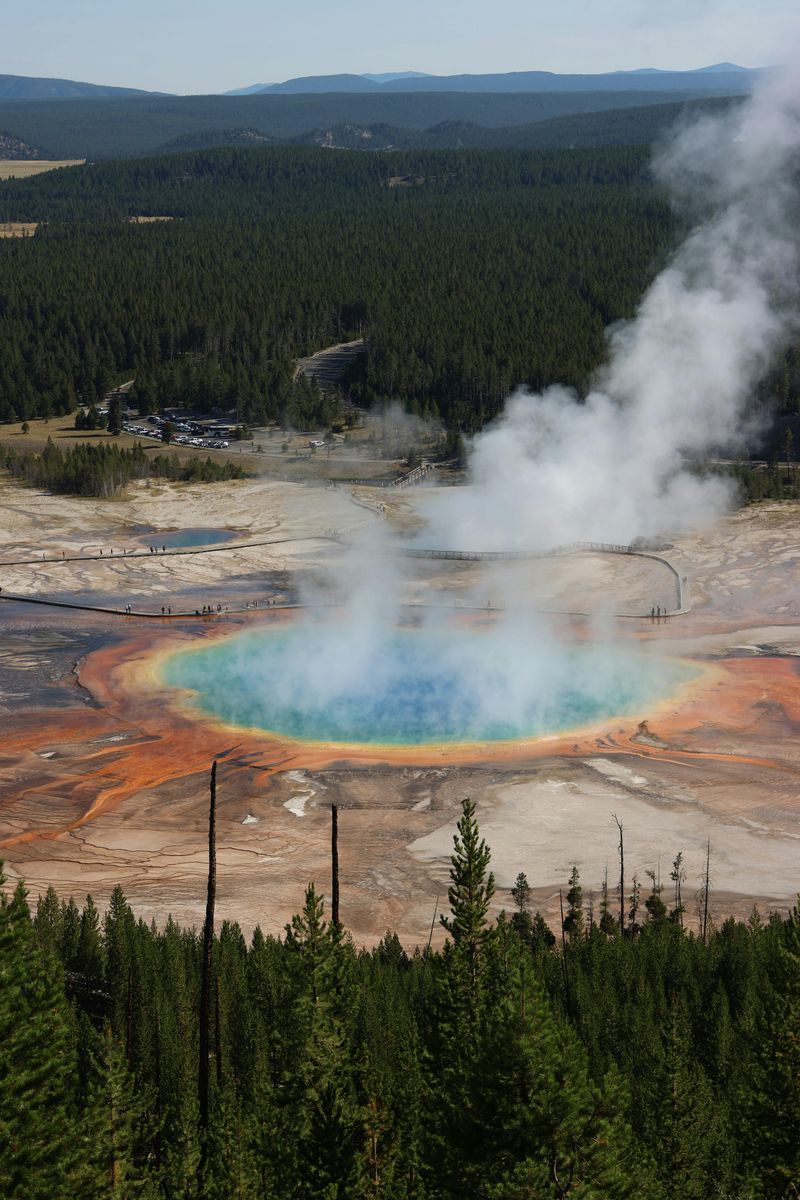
{"x": 408, "y": 687}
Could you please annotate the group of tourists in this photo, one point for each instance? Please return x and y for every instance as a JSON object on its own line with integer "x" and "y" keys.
{"x": 208, "y": 610}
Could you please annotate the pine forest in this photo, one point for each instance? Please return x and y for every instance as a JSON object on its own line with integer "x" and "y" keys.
{"x": 621, "y": 1056}
{"x": 470, "y": 273}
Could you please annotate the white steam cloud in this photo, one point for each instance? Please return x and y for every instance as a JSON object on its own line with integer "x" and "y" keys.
{"x": 555, "y": 468}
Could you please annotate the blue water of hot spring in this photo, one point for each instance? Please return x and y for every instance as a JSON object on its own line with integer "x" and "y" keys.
{"x": 412, "y": 687}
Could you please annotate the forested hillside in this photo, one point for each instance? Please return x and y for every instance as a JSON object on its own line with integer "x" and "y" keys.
{"x": 11, "y": 147}
{"x": 141, "y": 124}
{"x": 490, "y": 270}
{"x": 619, "y": 127}
{"x": 626, "y": 1060}
{"x": 469, "y": 272}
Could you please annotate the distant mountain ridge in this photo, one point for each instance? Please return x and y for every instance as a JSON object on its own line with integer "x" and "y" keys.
{"x": 719, "y": 78}
{"x": 313, "y": 84}
{"x": 388, "y": 76}
{"x": 27, "y": 87}
{"x": 252, "y": 90}
{"x": 715, "y": 68}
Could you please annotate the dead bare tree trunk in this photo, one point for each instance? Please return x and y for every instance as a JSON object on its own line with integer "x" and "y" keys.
{"x": 335, "y": 865}
{"x": 621, "y": 876}
{"x": 206, "y": 970}
{"x": 706, "y": 888}
{"x": 427, "y": 956}
{"x": 433, "y": 922}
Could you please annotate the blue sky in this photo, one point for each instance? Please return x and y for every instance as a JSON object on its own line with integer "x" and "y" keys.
{"x": 213, "y": 45}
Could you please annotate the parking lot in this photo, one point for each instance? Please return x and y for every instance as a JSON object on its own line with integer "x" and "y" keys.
{"x": 186, "y": 433}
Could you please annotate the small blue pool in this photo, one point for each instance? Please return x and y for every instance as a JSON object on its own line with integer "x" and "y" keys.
{"x": 175, "y": 539}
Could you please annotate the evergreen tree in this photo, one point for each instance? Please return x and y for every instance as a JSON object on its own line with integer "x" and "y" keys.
{"x": 656, "y": 908}
{"x": 673, "y": 1071}
{"x": 634, "y": 901}
{"x": 608, "y": 923}
{"x": 49, "y": 921}
{"x": 115, "y": 415}
{"x": 471, "y": 889}
{"x": 121, "y": 1114}
{"x": 574, "y": 921}
{"x": 41, "y": 1139}
{"x": 521, "y": 919}
{"x": 89, "y": 955}
{"x": 691, "y": 1133}
{"x": 543, "y": 1128}
{"x": 521, "y": 893}
{"x": 324, "y": 1113}
{"x": 771, "y": 1100}
{"x": 70, "y": 929}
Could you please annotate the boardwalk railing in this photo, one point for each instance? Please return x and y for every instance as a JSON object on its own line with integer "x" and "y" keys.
{"x": 414, "y": 475}
{"x": 341, "y": 536}
{"x": 495, "y": 555}
{"x": 401, "y": 481}
{"x": 681, "y": 581}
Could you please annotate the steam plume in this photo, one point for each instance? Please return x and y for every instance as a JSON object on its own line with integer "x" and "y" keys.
{"x": 556, "y": 468}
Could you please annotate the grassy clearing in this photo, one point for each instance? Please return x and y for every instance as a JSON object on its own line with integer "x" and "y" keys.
{"x": 15, "y": 229}
{"x": 24, "y": 168}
